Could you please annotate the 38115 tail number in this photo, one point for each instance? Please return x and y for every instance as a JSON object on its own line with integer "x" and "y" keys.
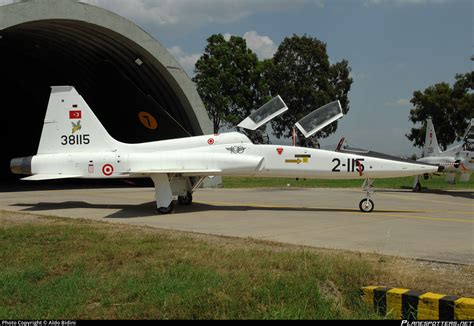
{"x": 75, "y": 139}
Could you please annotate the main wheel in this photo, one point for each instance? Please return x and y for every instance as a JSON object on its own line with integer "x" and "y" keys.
{"x": 185, "y": 200}
{"x": 417, "y": 187}
{"x": 366, "y": 205}
{"x": 166, "y": 210}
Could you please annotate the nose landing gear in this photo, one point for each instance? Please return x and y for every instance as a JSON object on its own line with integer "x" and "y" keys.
{"x": 366, "y": 205}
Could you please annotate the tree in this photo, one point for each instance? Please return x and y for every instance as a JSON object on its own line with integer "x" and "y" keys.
{"x": 300, "y": 72}
{"x": 451, "y": 109}
{"x": 229, "y": 80}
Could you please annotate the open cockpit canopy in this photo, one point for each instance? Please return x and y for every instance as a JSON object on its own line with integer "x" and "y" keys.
{"x": 320, "y": 118}
{"x": 265, "y": 113}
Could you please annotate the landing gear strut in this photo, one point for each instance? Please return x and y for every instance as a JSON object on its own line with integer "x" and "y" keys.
{"x": 366, "y": 205}
{"x": 163, "y": 195}
{"x": 417, "y": 187}
{"x": 187, "y": 199}
{"x": 417, "y": 184}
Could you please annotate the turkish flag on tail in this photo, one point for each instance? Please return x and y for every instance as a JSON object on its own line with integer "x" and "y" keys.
{"x": 76, "y": 114}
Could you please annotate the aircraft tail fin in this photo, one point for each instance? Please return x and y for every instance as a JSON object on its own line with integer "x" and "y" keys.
{"x": 71, "y": 126}
{"x": 431, "y": 147}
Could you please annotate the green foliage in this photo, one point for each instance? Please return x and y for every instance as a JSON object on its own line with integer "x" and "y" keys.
{"x": 232, "y": 81}
{"x": 451, "y": 109}
{"x": 300, "y": 72}
{"x": 229, "y": 80}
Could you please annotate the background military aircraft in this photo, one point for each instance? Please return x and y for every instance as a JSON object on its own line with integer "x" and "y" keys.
{"x": 457, "y": 159}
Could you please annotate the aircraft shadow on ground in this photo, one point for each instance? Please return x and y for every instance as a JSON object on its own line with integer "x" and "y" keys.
{"x": 125, "y": 210}
{"x": 196, "y": 207}
{"x": 469, "y": 194}
{"x": 148, "y": 208}
{"x": 72, "y": 184}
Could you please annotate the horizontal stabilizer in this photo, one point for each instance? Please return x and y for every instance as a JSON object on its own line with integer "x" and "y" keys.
{"x": 38, "y": 177}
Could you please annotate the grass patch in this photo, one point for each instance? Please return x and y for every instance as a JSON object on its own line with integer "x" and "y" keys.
{"x": 434, "y": 182}
{"x": 68, "y": 269}
{"x": 55, "y": 268}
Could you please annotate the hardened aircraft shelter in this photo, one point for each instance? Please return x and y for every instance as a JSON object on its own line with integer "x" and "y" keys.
{"x": 136, "y": 88}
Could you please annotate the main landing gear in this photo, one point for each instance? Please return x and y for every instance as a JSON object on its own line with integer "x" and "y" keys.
{"x": 417, "y": 187}
{"x": 164, "y": 191}
{"x": 163, "y": 194}
{"x": 166, "y": 210}
{"x": 366, "y": 205}
{"x": 182, "y": 200}
{"x": 186, "y": 200}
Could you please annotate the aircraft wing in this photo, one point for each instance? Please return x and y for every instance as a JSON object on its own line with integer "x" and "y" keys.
{"x": 44, "y": 176}
{"x": 181, "y": 171}
{"x": 194, "y": 163}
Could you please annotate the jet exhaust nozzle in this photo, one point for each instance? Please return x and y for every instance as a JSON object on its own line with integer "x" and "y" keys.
{"x": 21, "y": 165}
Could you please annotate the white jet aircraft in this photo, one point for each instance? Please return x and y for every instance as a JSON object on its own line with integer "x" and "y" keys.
{"x": 456, "y": 159}
{"x": 74, "y": 144}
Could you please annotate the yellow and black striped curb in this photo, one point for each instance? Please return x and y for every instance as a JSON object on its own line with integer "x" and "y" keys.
{"x": 407, "y": 304}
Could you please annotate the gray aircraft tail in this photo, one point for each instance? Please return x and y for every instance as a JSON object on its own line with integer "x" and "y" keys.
{"x": 431, "y": 147}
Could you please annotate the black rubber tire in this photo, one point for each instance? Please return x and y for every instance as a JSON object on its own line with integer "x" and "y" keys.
{"x": 366, "y": 208}
{"x": 186, "y": 200}
{"x": 166, "y": 210}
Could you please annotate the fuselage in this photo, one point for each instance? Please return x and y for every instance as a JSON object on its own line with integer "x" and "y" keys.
{"x": 223, "y": 154}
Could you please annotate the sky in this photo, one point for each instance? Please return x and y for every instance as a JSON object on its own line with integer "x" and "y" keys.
{"x": 394, "y": 47}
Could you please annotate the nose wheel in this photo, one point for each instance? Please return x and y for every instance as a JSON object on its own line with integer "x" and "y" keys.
{"x": 366, "y": 205}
